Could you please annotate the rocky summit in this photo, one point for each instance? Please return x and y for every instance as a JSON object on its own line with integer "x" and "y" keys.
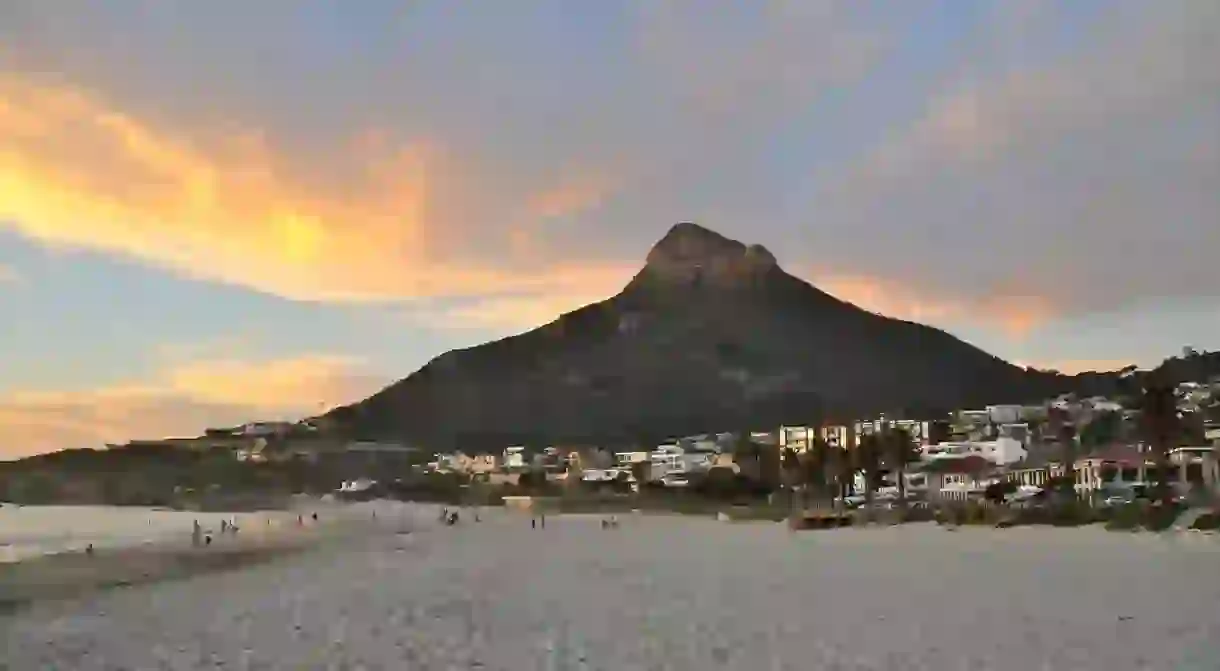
{"x": 710, "y": 335}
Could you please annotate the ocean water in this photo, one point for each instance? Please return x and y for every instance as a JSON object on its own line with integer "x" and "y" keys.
{"x": 32, "y": 531}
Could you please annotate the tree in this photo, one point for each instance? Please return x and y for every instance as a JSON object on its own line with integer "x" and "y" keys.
{"x": 813, "y": 464}
{"x": 1161, "y": 426}
{"x": 867, "y": 460}
{"x": 790, "y": 472}
{"x": 1064, "y": 431}
{"x": 1104, "y": 429}
{"x": 898, "y": 452}
{"x": 839, "y": 469}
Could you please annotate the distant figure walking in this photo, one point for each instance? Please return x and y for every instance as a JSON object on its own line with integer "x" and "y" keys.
{"x": 207, "y": 540}
{"x": 224, "y": 526}
{"x": 542, "y": 518}
{"x": 300, "y": 521}
{"x": 89, "y": 550}
{"x": 533, "y": 522}
{"x": 196, "y": 534}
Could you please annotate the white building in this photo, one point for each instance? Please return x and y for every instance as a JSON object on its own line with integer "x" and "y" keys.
{"x": 797, "y": 438}
{"x": 514, "y": 458}
{"x": 669, "y": 459}
{"x": 1004, "y": 414}
{"x": 266, "y": 428}
{"x": 626, "y": 459}
{"x": 1001, "y": 451}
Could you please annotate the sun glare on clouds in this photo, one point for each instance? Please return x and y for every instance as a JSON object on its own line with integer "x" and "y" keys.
{"x": 182, "y": 399}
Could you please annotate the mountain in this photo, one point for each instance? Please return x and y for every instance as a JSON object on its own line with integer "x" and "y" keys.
{"x": 710, "y": 335}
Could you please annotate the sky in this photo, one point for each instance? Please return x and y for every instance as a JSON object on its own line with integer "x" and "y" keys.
{"x": 217, "y": 212}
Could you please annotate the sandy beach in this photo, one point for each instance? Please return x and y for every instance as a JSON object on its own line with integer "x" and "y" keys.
{"x": 659, "y": 592}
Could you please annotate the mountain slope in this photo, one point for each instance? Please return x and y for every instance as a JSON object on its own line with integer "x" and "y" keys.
{"x": 710, "y": 335}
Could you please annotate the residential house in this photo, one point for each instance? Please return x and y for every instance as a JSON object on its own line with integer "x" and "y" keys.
{"x": 585, "y": 458}
{"x": 266, "y": 428}
{"x": 1000, "y": 452}
{"x": 513, "y": 459}
{"x": 672, "y": 458}
{"x": 797, "y": 438}
{"x": 841, "y": 436}
{"x": 765, "y": 437}
{"x": 957, "y": 478}
{"x": 626, "y": 459}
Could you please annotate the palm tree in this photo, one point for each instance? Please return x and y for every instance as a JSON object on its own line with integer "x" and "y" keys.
{"x": 837, "y": 471}
{"x": 1064, "y": 431}
{"x": 1159, "y": 412}
{"x": 868, "y": 461}
{"x": 791, "y": 472}
{"x": 899, "y": 452}
{"x": 814, "y": 468}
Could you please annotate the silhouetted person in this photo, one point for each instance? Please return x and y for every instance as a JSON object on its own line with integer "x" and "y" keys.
{"x": 315, "y": 517}
{"x": 89, "y": 550}
{"x": 196, "y": 534}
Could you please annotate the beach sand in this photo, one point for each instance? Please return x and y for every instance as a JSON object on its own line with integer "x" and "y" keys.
{"x": 661, "y": 592}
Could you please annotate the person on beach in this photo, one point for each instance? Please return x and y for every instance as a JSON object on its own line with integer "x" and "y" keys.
{"x": 224, "y": 526}
{"x": 196, "y": 534}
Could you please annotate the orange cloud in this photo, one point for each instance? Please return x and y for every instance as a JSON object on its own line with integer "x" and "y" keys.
{"x": 77, "y": 172}
{"x": 182, "y": 400}
{"x": 577, "y": 194}
{"x": 1015, "y": 314}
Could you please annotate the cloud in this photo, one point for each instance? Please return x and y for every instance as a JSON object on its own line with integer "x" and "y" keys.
{"x": 1092, "y": 180}
{"x": 507, "y": 161}
{"x": 76, "y": 172}
{"x": 1015, "y": 315}
{"x": 9, "y": 275}
{"x": 181, "y": 400}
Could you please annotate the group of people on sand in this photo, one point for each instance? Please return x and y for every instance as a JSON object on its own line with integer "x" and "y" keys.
{"x": 199, "y": 537}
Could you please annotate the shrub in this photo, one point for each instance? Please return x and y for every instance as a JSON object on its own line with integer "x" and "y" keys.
{"x": 1207, "y": 522}
{"x": 1134, "y": 516}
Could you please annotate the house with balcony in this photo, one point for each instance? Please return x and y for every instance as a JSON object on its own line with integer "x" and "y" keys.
{"x": 674, "y": 459}
{"x": 957, "y": 478}
{"x": 1002, "y": 451}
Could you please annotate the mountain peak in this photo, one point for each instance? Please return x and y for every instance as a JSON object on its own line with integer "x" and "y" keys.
{"x": 691, "y": 254}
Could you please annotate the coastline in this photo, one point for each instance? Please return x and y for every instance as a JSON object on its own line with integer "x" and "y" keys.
{"x": 73, "y": 573}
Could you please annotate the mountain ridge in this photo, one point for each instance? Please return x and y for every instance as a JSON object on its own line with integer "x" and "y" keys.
{"x": 710, "y": 335}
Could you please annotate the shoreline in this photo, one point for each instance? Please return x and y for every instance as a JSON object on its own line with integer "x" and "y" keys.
{"x": 68, "y": 575}
{"x": 73, "y": 573}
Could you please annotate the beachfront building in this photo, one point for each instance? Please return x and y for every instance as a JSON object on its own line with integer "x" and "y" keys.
{"x": 957, "y": 478}
{"x": 1002, "y": 451}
